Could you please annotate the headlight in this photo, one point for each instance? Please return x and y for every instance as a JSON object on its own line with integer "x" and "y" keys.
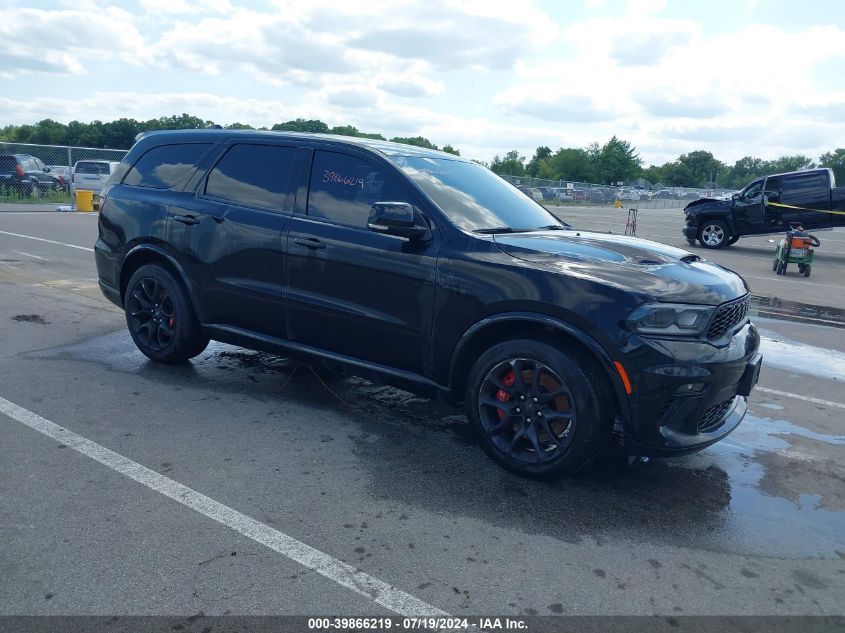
{"x": 678, "y": 319}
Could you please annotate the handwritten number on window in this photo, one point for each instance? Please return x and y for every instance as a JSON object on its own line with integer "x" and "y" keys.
{"x": 340, "y": 179}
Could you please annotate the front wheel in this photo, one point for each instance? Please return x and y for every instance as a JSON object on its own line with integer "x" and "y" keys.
{"x": 713, "y": 234}
{"x": 160, "y": 316}
{"x": 537, "y": 411}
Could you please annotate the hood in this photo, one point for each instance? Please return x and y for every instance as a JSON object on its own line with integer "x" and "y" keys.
{"x": 660, "y": 272}
{"x": 709, "y": 203}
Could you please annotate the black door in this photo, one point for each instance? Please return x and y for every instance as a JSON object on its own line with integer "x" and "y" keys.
{"x": 748, "y": 208}
{"x": 811, "y": 192}
{"x": 352, "y": 291}
{"x": 231, "y": 237}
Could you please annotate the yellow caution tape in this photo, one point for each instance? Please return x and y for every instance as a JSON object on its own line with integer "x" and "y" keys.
{"x": 792, "y": 206}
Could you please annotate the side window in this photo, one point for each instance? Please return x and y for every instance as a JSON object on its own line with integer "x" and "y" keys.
{"x": 344, "y": 187}
{"x": 753, "y": 190}
{"x": 165, "y": 166}
{"x": 773, "y": 186}
{"x": 803, "y": 188}
{"x": 253, "y": 175}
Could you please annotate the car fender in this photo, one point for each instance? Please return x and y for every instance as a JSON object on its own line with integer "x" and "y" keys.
{"x": 564, "y": 327}
{"x": 157, "y": 251}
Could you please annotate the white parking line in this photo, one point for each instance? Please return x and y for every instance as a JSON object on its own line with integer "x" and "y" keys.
{"x": 798, "y": 396}
{"x": 41, "y": 239}
{"x": 336, "y": 570}
{"x": 43, "y": 259}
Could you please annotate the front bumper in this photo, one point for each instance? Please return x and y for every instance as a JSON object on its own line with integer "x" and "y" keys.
{"x": 690, "y": 232}
{"x": 688, "y": 394}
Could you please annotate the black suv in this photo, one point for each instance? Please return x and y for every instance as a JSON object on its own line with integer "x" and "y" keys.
{"x": 25, "y": 175}
{"x": 435, "y": 275}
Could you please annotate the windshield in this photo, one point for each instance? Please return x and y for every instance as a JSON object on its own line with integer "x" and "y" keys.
{"x": 473, "y": 197}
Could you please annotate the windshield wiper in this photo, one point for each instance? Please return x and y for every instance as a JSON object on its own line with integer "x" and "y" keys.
{"x": 550, "y": 227}
{"x": 497, "y": 229}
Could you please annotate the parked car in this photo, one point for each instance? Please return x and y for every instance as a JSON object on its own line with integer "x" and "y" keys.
{"x": 592, "y": 194}
{"x": 91, "y": 175}
{"x": 662, "y": 194}
{"x": 25, "y": 175}
{"x": 629, "y": 195}
{"x": 768, "y": 205}
{"x": 63, "y": 174}
{"x": 433, "y": 274}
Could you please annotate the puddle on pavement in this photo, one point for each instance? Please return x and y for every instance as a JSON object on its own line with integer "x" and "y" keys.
{"x": 742, "y": 495}
{"x": 785, "y": 310}
{"x": 785, "y": 353}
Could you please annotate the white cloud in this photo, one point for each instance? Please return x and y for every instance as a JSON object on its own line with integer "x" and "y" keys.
{"x": 62, "y": 41}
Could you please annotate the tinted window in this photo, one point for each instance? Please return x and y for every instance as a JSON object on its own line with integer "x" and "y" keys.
{"x": 253, "y": 175}
{"x": 165, "y": 166}
{"x": 753, "y": 190}
{"x": 8, "y": 164}
{"x": 92, "y": 167}
{"x": 344, "y": 187}
{"x": 804, "y": 187}
{"x": 472, "y": 196}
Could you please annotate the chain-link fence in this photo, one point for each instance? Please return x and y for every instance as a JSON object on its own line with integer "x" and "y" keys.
{"x": 53, "y": 173}
{"x": 567, "y": 192}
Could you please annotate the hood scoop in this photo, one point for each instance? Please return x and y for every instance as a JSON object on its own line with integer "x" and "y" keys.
{"x": 691, "y": 258}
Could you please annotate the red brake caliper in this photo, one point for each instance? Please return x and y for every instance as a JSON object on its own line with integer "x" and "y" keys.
{"x": 508, "y": 380}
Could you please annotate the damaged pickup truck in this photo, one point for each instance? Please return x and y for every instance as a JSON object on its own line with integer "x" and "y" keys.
{"x": 767, "y": 205}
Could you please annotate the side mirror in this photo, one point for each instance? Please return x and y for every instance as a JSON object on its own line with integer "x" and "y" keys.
{"x": 46, "y": 169}
{"x": 396, "y": 218}
{"x": 735, "y": 197}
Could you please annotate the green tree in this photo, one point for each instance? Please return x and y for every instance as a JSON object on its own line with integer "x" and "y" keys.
{"x": 791, "y": 163}
{"x": 301, "y": 125}
{"x": 511, "y": 165}
{"x": 239, "y": 126}
{"x": 570, "y": 163}
{"x": 418, "y": 141}
{"x": 836, "y": 161}
{"x": 543, "y": 152}
{"x": 451, "y": 150}
{"x": 701, "y": 169}
{"x": 617, "y": 161}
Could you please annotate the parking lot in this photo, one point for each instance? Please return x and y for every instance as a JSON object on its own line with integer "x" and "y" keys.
{"x": 246, "y": 484}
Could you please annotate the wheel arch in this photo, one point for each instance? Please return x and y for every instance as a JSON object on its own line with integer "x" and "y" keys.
{"x": 495, "y": 329}
{"x": 144, "y": 254}
{"x": 722, "y": 217}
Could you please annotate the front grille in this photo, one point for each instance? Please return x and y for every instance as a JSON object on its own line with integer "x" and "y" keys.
{"x": 728, "y": 316}
{"x": 714, "y": 416}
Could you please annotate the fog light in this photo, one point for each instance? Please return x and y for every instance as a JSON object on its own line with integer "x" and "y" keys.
{"x": 689, "y": 389}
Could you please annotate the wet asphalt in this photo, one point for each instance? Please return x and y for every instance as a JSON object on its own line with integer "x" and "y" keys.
{"x": 391, "y": 483}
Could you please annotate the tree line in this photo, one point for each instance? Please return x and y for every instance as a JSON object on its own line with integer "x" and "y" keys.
{"x": 615, "y": 161}
{"x": 121, "y": 134}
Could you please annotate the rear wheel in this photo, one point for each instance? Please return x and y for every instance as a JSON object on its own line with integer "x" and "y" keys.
{"x": 775, "y": 264}
{"x": 537, "y": 411}
{"x": 807, "y": 270}
{"x": 160, "y": 316}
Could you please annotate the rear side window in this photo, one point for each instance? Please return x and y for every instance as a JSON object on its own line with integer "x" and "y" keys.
{"x": 804, "y": 187}
{"x": 165, "y": 166}
{"x": 253, "y": 176}
{"x": 344, "y": 187}
{"x": 91, "y": 167}
{"x": 8, "y": 164}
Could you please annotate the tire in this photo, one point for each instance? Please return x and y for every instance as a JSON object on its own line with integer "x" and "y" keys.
{"x": 781, "y": 268}
{"x": 807, "y": 270}
{"x": 713, "y": 234}
{"x": 733, "y": 240}
{"x": 521, "y": 425}
{"x": 160, "y": 316}
{"x": 801, "y": 269}
{"x": 775, "y": 264}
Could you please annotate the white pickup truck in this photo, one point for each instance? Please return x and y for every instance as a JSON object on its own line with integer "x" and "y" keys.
{"x": 91, "y": 175}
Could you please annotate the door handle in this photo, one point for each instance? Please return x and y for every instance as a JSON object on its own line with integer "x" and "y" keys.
{"x": 187, "y": 219}
{"x": 310, "y": 242}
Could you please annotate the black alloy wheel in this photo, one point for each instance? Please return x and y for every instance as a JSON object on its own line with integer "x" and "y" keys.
{"x": 536, "y": 410}
{"x": 152, "y": 316}
{"x": 160, "y": 316}
{"x": 527, "y": 410}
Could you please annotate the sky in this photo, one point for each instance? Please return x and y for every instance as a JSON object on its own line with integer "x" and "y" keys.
{"x": 735, "y": 77}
